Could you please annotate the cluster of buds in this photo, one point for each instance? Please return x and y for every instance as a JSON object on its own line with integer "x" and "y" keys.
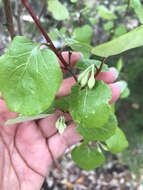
{"x": 84, "y": 78}
{"x": 60, "y": 124}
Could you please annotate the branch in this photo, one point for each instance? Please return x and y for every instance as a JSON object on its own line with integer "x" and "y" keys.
{"x": 9, "y": 18}
{"x": 25, "y": 3}
{"x": 59, "y": 55}
{"x": 100, "y": 68}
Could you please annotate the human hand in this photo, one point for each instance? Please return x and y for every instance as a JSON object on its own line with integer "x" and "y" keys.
{"x": 27, "y": 149}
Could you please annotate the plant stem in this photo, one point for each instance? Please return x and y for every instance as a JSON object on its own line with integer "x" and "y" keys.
{"x": 9, "y": 18}
{"x": 99, "y": 70}
{"x": 59, "y": 55}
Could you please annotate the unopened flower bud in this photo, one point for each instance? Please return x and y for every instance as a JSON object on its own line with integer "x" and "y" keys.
{"x": 84, "y": 79}
{"x": 91, "y": 81}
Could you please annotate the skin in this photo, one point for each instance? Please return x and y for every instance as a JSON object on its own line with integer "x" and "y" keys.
{"x": 25, "y": 149}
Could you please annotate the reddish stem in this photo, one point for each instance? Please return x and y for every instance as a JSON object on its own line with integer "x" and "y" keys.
{"x": 99, "y": 70}
{"x": 25, "y": 3}
{"x": 59, "y": 55}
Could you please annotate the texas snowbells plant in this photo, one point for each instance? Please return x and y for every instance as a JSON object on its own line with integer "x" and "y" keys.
{"x": 30, "y": 77}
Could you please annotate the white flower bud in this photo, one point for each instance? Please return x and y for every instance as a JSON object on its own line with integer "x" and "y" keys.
{"x": 91, "y": 81}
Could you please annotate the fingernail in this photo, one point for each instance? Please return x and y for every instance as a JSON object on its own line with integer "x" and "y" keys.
{"x": 122, "y": 85}
{"x": 115, "y": 71}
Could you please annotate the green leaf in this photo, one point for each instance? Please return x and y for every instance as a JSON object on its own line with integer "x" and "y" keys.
{"x": 125, "y": 93}
{"x": 89, "y": 107}
{"x": 29, "y": 77}
{"x": 137, "y": 6}
{"x": 83, "y": 34}
{"x": 60, "y": 124}
{"x": 102, "y": 133}
{"x": 120, "y": 30}
{"x": 108, "y": 25}
{"x": 119, "y": 64}
{"x": 62, "y": 103}
{"x": 87, "y": 159}
{"x": 83, "y": 64}
{"x": 123, "y": 43}
{"x": 118, "y": 142}
{"x": 84, "y": 48}
{"x": 105, "y": 13}
{"x": 74, "y": 1}
{"x": 58, "y": 10}
{"x": 121, "y": 8}
{"x": 93, "y": 21}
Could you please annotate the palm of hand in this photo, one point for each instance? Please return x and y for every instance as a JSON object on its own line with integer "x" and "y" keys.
{"x": 26, "y": 149}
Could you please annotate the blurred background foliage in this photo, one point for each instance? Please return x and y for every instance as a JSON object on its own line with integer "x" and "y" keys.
{"x": 93, "y": 22}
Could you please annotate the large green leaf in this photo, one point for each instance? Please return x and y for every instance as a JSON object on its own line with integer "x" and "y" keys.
{"x": 123, "y": 43}
{"x": 102, "y": 133}
{"x": 29, "y": 77}
{"x": 83, "y": 34}
{"x": 89, "y": 107}
{"x": 58, "y": 10}
{"x": 137, "y": 6}
{"x": 118, "y": 142}
{"x": 87, "y": 158}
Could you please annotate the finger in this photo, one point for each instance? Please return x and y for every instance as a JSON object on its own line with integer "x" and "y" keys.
{"x": 107, "y": 77}
{"x": 48, "y": 124}
{"x": 65, "y": 88}
{"x": 117, "y": 88}
{"x": 63, "y": 141}
{"x": 74, "y": 58}
{"x": 115, "y": 92}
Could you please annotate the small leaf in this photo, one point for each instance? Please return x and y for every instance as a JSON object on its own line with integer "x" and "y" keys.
{"x": 84, "y": 48}
{"x": 60, "y": 124}
{"x": 83, "y": 34}
{"x": 120, "y": 30}
{"x": 83, "y": 64}
{"x": 84, "y": 80}
{"x": 105, "y": 13}
{"x": 89, "y": 107}
{"x": 137, "y": 6}
{"x": 93, "y": 21}
{"x": 29, "y": 77}
{"x": 102, "y": 133}
{"x": 58, "y": 10}
{"x": 87, "y": 159}
{"x": 118, "y": 142}
{"x": 74, "y": 1}
{"x": 84, "y": 74}
{"x": 108, "y": 25}
{"x": 91, "y": 81}
{"x": 123, "y": 43}
{"x": 119, "y": 64}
